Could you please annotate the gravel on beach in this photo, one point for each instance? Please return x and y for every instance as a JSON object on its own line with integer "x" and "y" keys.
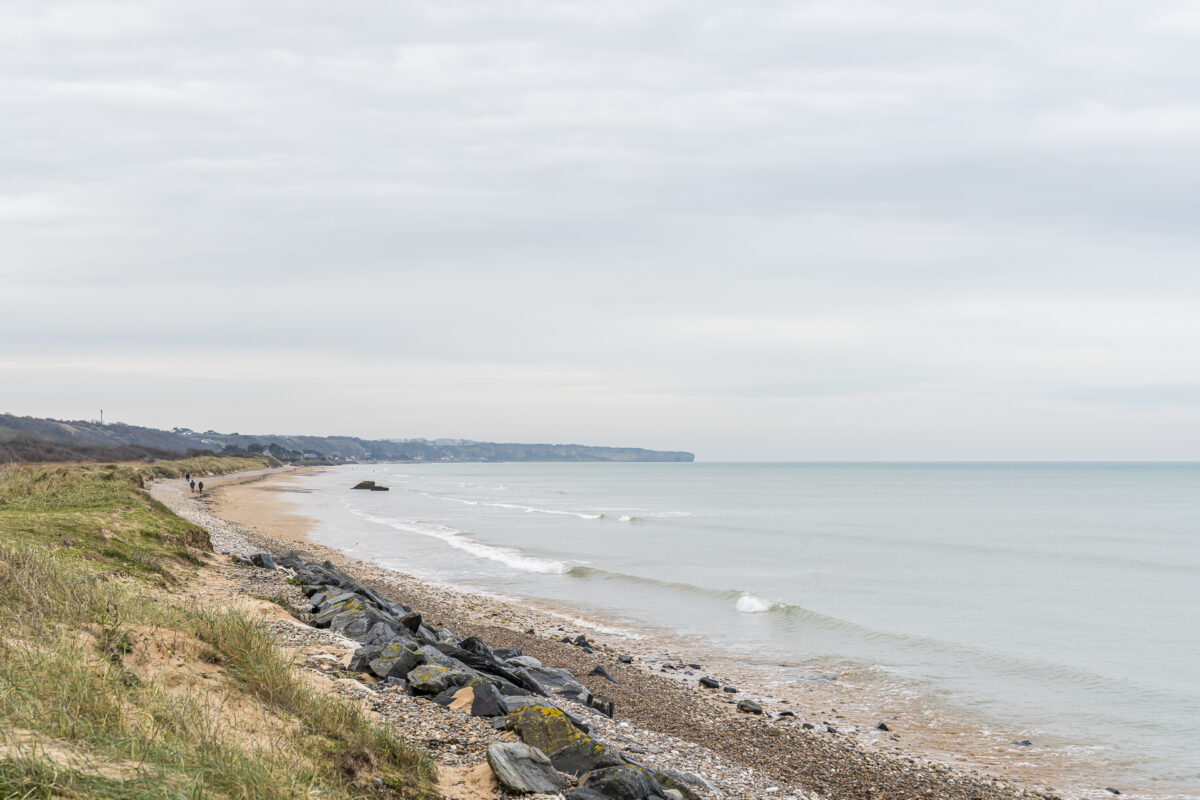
{"x": 664, "y": 719}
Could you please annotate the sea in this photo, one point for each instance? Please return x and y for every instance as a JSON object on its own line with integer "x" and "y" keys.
{"x": 1057, "y": 603}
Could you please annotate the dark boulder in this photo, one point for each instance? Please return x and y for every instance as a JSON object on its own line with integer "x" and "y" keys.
{"x": 686, "y": 783}
{"x": 808, "y": 726}
{"x": 625, "y": 659}
{"x": 730, "y": 690}
{"x": 503, "y": 653}
{"x": 480, "y": 699}
{"x": 882, "y": 727}
{"x": 710, "y": 683}
{"x": 553, "y": 681}
{"x": 624, "y": 782}
{"x": 523, "y": 769}
{"x": 263, "y": 560}
{"x": 360, "y": 661}
{"x": 396, "y": 660}
{"x": 363, "y": 485}
{"x": 291, "y": 559}
{"x": 570, "y": 749}
{"x": 379, "y": 489}
{"x": 749, "y": 706}
{"x": 435, "y": 679}
{"x": 412, "y": 621}
{"x": 481, "y": 659}
{"x": 580, "y": 641}
{"x": 602, "y": 704}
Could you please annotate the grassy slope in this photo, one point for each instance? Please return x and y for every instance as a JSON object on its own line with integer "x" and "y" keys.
{"x": 87, "y": 561}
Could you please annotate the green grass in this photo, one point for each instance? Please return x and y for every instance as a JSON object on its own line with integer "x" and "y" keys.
{"x": 87, "y": 562}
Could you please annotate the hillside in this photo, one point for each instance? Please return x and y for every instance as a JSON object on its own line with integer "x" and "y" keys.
{"x": 337, "y": 448}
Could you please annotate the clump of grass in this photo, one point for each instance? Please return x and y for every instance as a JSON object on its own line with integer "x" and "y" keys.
{"x": 249, "y": 648}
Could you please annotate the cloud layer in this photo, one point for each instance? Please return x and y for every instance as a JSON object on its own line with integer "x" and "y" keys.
{"x": 775, "y": 230}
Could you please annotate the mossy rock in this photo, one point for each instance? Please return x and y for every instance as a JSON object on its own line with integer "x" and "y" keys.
{"x": 570, "y": 749}
{"x": 434, "y": 679}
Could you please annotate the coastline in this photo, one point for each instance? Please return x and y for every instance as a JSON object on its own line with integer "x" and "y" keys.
{"x": 770, "y": 753}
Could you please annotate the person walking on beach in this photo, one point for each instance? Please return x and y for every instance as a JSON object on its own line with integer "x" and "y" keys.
{"x": 187, "y": 476}
{"x": 193, "y": 485}
{"x": 202, "y": 487}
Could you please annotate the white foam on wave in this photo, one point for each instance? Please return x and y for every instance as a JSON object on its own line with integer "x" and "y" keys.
{"x": 534, "y": 510}
{"x": 459, "y": 540}
{"x": 752, "y": 604}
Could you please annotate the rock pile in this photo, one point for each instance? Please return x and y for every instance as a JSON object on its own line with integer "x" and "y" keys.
{"x": 556, "y": 748}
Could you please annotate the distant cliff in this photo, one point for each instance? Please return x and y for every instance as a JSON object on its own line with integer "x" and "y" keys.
{"x": 332, "y": 448}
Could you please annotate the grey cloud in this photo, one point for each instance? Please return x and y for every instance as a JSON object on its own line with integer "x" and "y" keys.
{"x": 654, "y": 195}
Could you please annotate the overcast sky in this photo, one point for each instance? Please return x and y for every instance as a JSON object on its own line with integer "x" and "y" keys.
{"x": 769, "y": 230}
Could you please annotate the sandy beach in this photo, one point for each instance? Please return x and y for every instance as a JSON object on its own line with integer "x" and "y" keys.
{"x": 817, "y": 736}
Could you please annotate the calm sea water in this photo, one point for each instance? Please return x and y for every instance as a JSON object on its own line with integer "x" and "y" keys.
{"x": 1058, "y": 599}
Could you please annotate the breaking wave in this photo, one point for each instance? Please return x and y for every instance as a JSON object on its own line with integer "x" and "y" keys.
{"x": 460, "y": 540}
{"x": 752, "y": 604}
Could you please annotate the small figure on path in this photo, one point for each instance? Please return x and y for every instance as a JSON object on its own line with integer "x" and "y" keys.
{"x": 193, "y": 485}
{"x": 201, "y": 486}
{"x": 187, "y": 476}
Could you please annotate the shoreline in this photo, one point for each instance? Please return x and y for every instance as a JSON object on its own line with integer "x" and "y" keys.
{"x": 915, "y": 742}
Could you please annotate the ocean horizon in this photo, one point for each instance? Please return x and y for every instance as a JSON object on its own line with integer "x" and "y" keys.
{"x": 1052, "y": 601}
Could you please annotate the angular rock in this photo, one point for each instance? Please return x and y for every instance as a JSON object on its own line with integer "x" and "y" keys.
{"x": 730, "y": 690}
{"x": 478, "y": 700}
{"x": 363, "y": 485}
{"x": 749, "y": 706}
{"x": 711, "y": 683}
{"x": 522, "y": 768}
{"x": 434, "y": 678}
{"x": 580, "y": 641}
{"x": 396, "y": 660}
{"x": 263, "y": 560}
{"x": 601, "y": 672}
{"x": 353, "y": 623}
{"x": 685, "y": 783}
{"x": 382, "y": 633}
{"x": 412, "y": 621}
{"x": 882, "y": 727}
{"x": 434, "y": 656}
{"x": 602, "y": 704}
{"x": 808, "y": 726}
{"x": 624, "y": 782}
{"x": 554, "y": 681}
{"x": 1024, "y": 743}
{"x": 291, "y": 559}
{"x": 360, "y": 661}
{"x": 570, "y": 749}
{"x": 505, "y": 653}
{"x": 335, "y": 605}
{"x": 481, "y": 659}
{"x": 525, "y": 661}
{"x": 625, "y": 659}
